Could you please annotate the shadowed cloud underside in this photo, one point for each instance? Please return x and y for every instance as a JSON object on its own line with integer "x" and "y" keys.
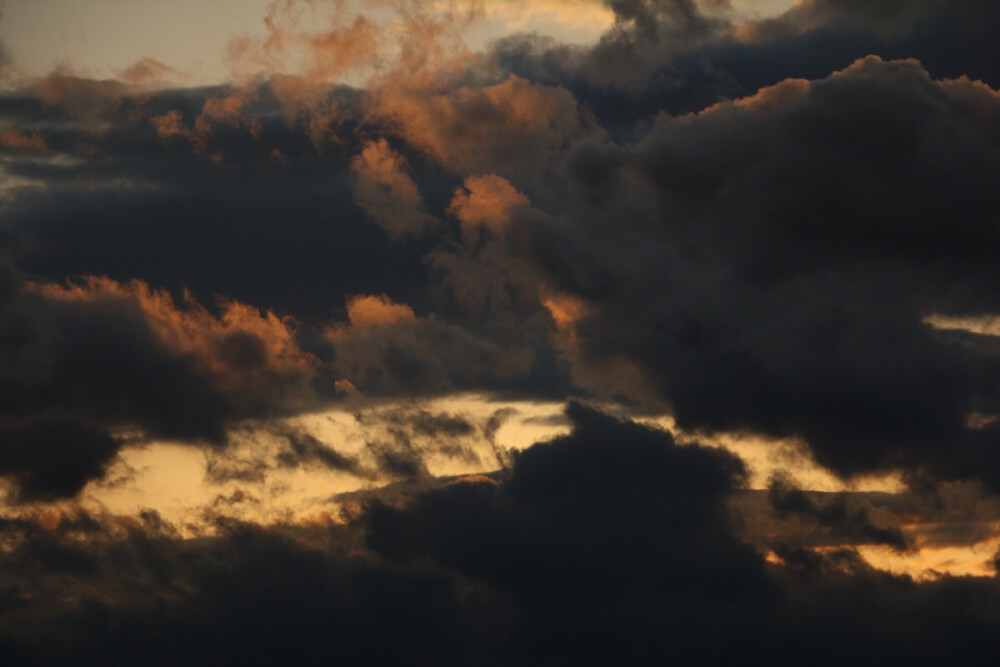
{"x": 516, "y": 333}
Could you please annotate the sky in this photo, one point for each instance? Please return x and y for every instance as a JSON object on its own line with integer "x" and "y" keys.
{"x": 499, "y": 332}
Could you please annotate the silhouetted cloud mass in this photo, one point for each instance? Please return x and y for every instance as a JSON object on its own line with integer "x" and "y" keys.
{"x": 609, "y": 543}
{"x": 775, "y": 228}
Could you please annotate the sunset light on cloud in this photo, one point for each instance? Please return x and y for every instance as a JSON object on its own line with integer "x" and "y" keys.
{"x": 497, "y": 332}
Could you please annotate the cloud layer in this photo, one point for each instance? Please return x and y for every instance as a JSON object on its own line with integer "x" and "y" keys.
{"x": 777, "y": 228}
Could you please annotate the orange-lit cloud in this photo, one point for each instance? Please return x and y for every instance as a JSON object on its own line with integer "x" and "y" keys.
{"x": 222, "y": 110}
{"x": 385, "y": 349}
{"x": 342, "y": 49}
{"x": 241, "y": 347}
{"x": 325, "y": 42}
{"x": 375, "y": 310}
{"x": 365, "y": 312}
{"x": 386, "y": 192}
{"x": 771, "y": 97}
{"x": 607, "y": 376}
{"x": 170, "y": 125}
{"x": 509, "y": 126}
{"x": 486, "y": 200}
{"x": 87, "y": 99}
{"x": 22, "y": 142}
{"x": 565, "y": 310}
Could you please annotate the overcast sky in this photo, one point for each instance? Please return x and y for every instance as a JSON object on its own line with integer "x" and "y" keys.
{"x": 557, "y": 332}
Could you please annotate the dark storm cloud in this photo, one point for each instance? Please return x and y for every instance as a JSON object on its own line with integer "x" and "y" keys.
{"x": 82, "y": 362}
{"x": 951, "y": 37}
{"x": 611, "y": 543}
{"x": 605, "y": 477}
{"x": 774, "y": 258}
{"x": 53, "y": 458}
{"x": 427, "y": 356}
{"x": 765, "y": 265}
{"x": 680, "y": 57}
{"x": 849, "y": 523}
{"x": 239, "y": 192}
{"x": 233, "y": 198}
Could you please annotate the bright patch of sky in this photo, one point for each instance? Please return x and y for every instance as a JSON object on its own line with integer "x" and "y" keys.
{"x": 102, "y": 38}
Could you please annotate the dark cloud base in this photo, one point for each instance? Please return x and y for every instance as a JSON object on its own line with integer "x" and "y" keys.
{"x": 757, "y": 228}
{"x": 611, "y": 544}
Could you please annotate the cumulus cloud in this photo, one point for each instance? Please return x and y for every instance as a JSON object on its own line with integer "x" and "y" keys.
{"x": 88, "y": 360}
{"x": 775, "y": 272}
{"x": 486, "y": 200}
{"x": 779, "y": 227}
{"x": 522, "y": 566}
{"x": 385, "y": 349}
{"x": 507, "y": 126}
{"x": 386, "y": 193}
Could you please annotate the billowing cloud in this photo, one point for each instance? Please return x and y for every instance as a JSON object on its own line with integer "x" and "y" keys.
{"x": 508, "y": 126}
{"x": 774, "y": 235}
{"x": 385, "y": 349}
{"x": 90, "y": 361}
{"x": 521, "y": 566}
{"x": 486, "y": 200}
{"x": 769, "y": 289}
{"x": 386, "y": 193}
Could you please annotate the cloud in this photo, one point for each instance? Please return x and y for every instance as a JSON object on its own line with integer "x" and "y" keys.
{"x": 51, "y": 457}
{"x": 22, "y": 142}
{"x": 681, "y": 57}
{"x": 778, "y": 254}
{"x": 779, "y": 227}
{"x": 511, "y": 126}
{"x": 306, "y": 448}
{"x": 485, "y": 200}
{"x": 387, "y": 350}
{"x": 98, "y": 357}
{"x": 520, "y": 566}
{"x": 386, "y": 193}
{"x": 852, "y": 525}
{"x": 147, "y": 71}
{"x": 89, "y": 100}
{"x": 190, "y": 188}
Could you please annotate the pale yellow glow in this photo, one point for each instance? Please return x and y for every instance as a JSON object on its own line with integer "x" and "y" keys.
{"x": 764, "y": 457}
{"x": 983, "y": 325}
{"x": 928, "y": 562}
{"x": 172, "y": 478}
{"x": 569, "y": 21}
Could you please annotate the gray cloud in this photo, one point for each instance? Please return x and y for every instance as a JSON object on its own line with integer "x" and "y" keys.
{"x": 775, "y": 258}
{"x": 745, "y": 225}
{"x": 522, "y": 567}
